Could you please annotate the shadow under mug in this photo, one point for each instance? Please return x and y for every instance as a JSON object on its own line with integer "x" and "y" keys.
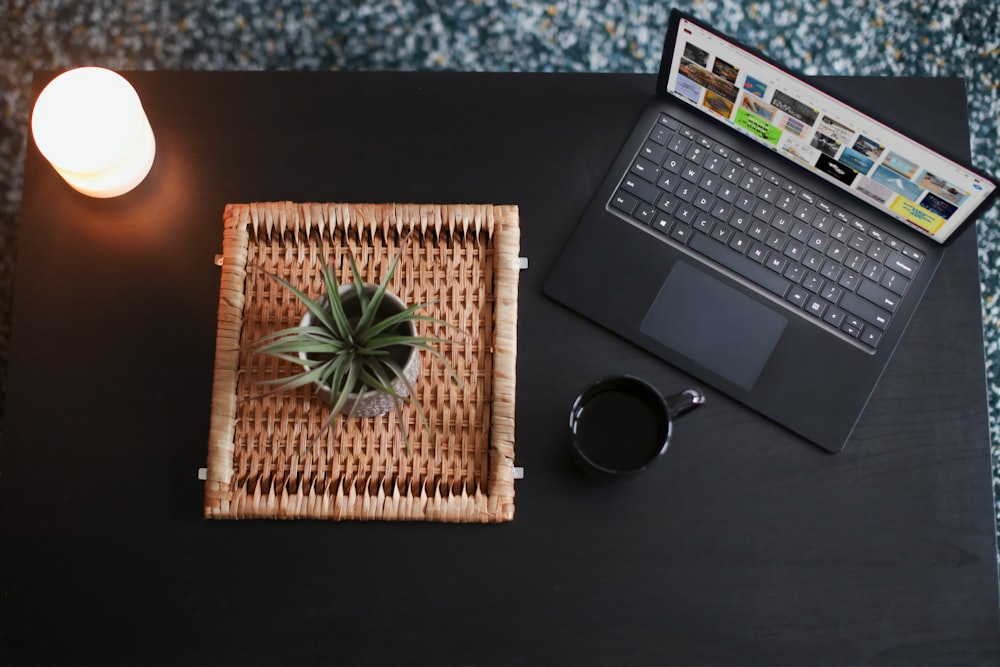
{"x": 619, "y": 425}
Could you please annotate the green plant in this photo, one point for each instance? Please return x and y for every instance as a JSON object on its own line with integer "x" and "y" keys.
{"x": 351, "y": 352}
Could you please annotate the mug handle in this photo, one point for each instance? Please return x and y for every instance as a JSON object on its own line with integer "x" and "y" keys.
{"x": 684, "y": 402}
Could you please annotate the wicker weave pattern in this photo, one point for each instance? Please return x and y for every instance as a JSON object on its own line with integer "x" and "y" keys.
{"x": 259, "y": 463}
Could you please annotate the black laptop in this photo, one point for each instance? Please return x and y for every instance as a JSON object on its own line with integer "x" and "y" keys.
{"x": 764, "y": 236}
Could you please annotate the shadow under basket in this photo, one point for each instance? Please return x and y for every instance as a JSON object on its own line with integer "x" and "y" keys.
{"x": 267, "y": 456}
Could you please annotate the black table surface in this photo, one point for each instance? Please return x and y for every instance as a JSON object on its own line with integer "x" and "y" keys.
{"x": 745, "y": 544}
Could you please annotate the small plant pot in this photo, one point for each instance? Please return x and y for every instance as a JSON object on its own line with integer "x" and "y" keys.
{"x": 373, "y": 403}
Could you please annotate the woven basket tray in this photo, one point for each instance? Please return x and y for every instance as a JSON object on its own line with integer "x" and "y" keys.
{"x": 260, "y": 462}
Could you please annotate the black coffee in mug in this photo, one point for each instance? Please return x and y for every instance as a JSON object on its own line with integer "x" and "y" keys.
{"x": 619, "y": 425}
{"x": 620, "y": 430}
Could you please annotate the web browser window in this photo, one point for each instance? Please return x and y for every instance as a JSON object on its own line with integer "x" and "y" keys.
{"x": 905, "y": 179}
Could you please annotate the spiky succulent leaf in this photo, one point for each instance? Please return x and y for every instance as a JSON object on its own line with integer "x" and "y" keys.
{"x": 318, "y": 311}
{"x": 340, "y": 325}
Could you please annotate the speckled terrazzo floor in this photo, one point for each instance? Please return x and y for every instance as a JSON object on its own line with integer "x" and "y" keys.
{"x": 894, "y": 37}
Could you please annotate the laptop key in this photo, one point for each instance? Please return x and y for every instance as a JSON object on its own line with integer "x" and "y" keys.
{"x": 831, "y": 270}
{"x": 878, "y": 252}
{"x": 901, "y": 263}
{"x": 854, "y": 322}
{"x": 709, "y": 181}
{"x": 714, "y": 163}
{"x": 873, "y": 271}
{"x": 837, "y": 252}
{"x": 686, "y": 191}
{"x": 819, "y": 242}
{"x": 642, "y": 189}
{"x": 748, "y": 268}
{"x": 858, "y": 241}
{"x": 722, "y": 233}
{"x": 687, "y": 132}
{"x": 786, "y": 203}
{"x": 854, "y": 261}
{"x": 669, "y": 122}
{"x": 797, "y": 296}
{"x": 691, "y": 172}
{"x": 703, "y": 200}
{"x": 763, "y": 212}
{"x": 804, "y": 212}
{"x": 776, "y": 241}
{"x": 795, "y": 273}
{"x": 866, "y": 310}
{"x": 668, "y": 204}
{"x": 878, "y": 295}
{"x": 727, "y": 193}
{"x": 703, "y": 224}
{"x": 740, "y": 221}
{"x": 757, "y": 253}
{"x": 686, "y": 214}
{"x": 800, "y": 232}
{"x": 732, "y": 173}
{"x": 782, "y": 222}
{"x": 696, "y": 153}
{"x": 740, "y": 243}
{"x": 894, "y": 282}
{"x": 624, "y": 202}
{"x": 834, "y": 316}
{"x": 850, "y": 281}
{"x": 870, "y": 337}
{"x": 758, "y": 230}
{"x": 816, "y": 307}
{"x": 652, "y": 151}
{"x": 813, "y": 260}
{"x": 682, "y": 233}
{"x": 776, "y": 263}
{"x": 832, "y": 293}
{"x": 646, "y": 169}
{"x": 750, "y": 182}
{"x": 813, "y": 283}
{"x": 851, "y": 330}
{"x": 678, "y": 145}
{"x": 745, "y": 202}
{"x": 769, "y": 193}
{"x": 645, "y": 213}
{"x": 722, "y": 211}
{"x": 823, "y": 223}
{"x": 795, "y": 250}
{"x": 668, "y": 182}
{"x": 660, "y": 135}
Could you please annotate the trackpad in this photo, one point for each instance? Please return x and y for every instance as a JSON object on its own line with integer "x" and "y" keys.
{"x": 713, "y": 325}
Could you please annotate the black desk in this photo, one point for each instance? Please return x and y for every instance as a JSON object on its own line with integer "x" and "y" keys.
{"x": 746, "y": 545}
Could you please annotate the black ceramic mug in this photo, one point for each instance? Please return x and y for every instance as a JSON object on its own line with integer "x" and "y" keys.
{"x": 619, "y": 425}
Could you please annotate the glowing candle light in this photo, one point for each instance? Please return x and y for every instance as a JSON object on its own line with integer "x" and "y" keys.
{"x": 90, "y": 125}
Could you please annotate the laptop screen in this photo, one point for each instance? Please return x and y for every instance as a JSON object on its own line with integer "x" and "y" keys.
{"x": 905, "y": 179}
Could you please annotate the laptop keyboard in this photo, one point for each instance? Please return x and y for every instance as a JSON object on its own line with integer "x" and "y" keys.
{"x": 843, "y": 272}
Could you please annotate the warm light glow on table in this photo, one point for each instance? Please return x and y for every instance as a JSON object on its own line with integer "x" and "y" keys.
{"x": 90, "y": 125}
